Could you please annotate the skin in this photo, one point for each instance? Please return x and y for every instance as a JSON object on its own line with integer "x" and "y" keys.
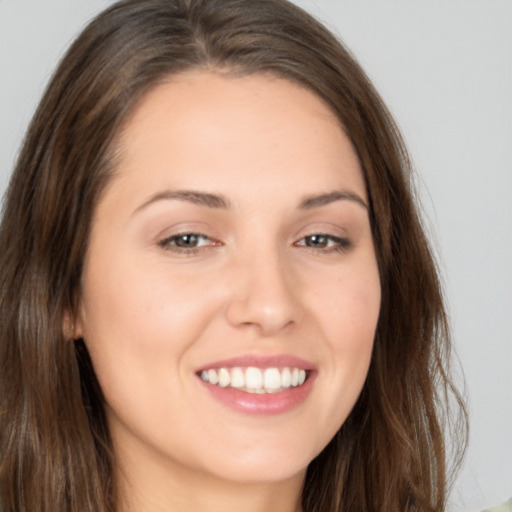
{"x": 152, "y": 313}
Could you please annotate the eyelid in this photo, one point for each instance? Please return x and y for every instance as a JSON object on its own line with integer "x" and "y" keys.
{"x": 168, "y": 242}
{"x": 168, "y": 230}
{"x": 335, "y": 243}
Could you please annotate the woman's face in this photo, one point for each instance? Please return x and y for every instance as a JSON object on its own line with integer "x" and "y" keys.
{"x": 230, "y": 257}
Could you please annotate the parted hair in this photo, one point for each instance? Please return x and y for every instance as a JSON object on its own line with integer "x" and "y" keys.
{"x": 55, "y": 450}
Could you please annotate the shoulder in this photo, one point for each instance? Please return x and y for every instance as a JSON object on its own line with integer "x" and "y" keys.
{"x": 505, "y": 507}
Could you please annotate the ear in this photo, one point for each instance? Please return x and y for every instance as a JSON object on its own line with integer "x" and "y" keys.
{"x": 72, "y": 325}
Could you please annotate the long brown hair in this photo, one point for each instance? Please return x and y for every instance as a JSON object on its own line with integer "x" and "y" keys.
{"x": 55, "y": 450}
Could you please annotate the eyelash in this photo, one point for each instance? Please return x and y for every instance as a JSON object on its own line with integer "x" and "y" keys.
{"x": 171, "y": 244}
{"x": 337, "y": 244}
{"x": 329, "y": 243}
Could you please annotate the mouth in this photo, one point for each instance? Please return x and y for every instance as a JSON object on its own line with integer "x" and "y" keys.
{"x": 261, "y": 385}
{"x": 255, "y": 380}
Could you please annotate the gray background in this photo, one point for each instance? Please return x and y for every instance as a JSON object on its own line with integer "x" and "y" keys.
{"x": 445, "y": 69}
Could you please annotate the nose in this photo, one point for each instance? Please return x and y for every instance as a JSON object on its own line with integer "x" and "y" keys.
{"x": 264, "y": 295}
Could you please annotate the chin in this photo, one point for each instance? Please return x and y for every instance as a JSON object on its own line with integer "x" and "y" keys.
{"x": 264, "y": 465}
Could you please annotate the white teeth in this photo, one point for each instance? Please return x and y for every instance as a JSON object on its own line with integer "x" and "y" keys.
{"x": 272, "y": 379}
{"x": 224, "y": 378}
{"x": 256, "y": 380}
{"x": 286, "y": 378}
{"x": 295, "y": 377}
{"x": 253, "y": 378}
{"x": 213, "y": 378}
{"x": 237, "y": 378}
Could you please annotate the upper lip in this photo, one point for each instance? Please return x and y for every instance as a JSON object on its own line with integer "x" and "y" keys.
{"x": 260, "y": 361}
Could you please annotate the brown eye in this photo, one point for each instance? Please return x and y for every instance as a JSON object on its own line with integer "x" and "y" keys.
{"x": 317, "y": 241}
{"x": 188, "y": 240}
{"x": 184, "y": 241}
{"x": 325, "y": 242}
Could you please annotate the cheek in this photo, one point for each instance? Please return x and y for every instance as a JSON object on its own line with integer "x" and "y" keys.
{"x": 139, "y": 321}
{"x": 349, "y": 309}
{"x": 357, "y": 316}
{"x": 126, "y": 300}
{"x": 349, "y": 306}
{"x": 138, "y": 325}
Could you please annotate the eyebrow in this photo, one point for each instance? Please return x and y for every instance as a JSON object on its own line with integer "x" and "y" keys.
{"x": 316, "y": 201}
{"x": 220, "y": 202}
{"x": 191, "y": 196}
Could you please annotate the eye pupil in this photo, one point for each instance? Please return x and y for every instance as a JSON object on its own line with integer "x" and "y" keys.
{"x": 316, "y": 241}
{"x": 188, "y": 240}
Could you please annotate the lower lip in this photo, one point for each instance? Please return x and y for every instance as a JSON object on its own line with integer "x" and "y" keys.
{"x": 265, "y": 403}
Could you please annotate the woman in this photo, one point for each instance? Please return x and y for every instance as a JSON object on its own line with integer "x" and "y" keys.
{"x": 216, "y": 292}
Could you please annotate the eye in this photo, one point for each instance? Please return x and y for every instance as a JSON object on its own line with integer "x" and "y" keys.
{"x": 323, "y": 242}
{"x": 186, "y": 242}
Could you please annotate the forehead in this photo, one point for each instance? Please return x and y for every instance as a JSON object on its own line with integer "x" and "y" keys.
{"x": 201, "y": 126}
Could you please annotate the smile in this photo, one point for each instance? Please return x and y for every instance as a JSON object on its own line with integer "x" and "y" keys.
{"x": 255, "y": 380}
